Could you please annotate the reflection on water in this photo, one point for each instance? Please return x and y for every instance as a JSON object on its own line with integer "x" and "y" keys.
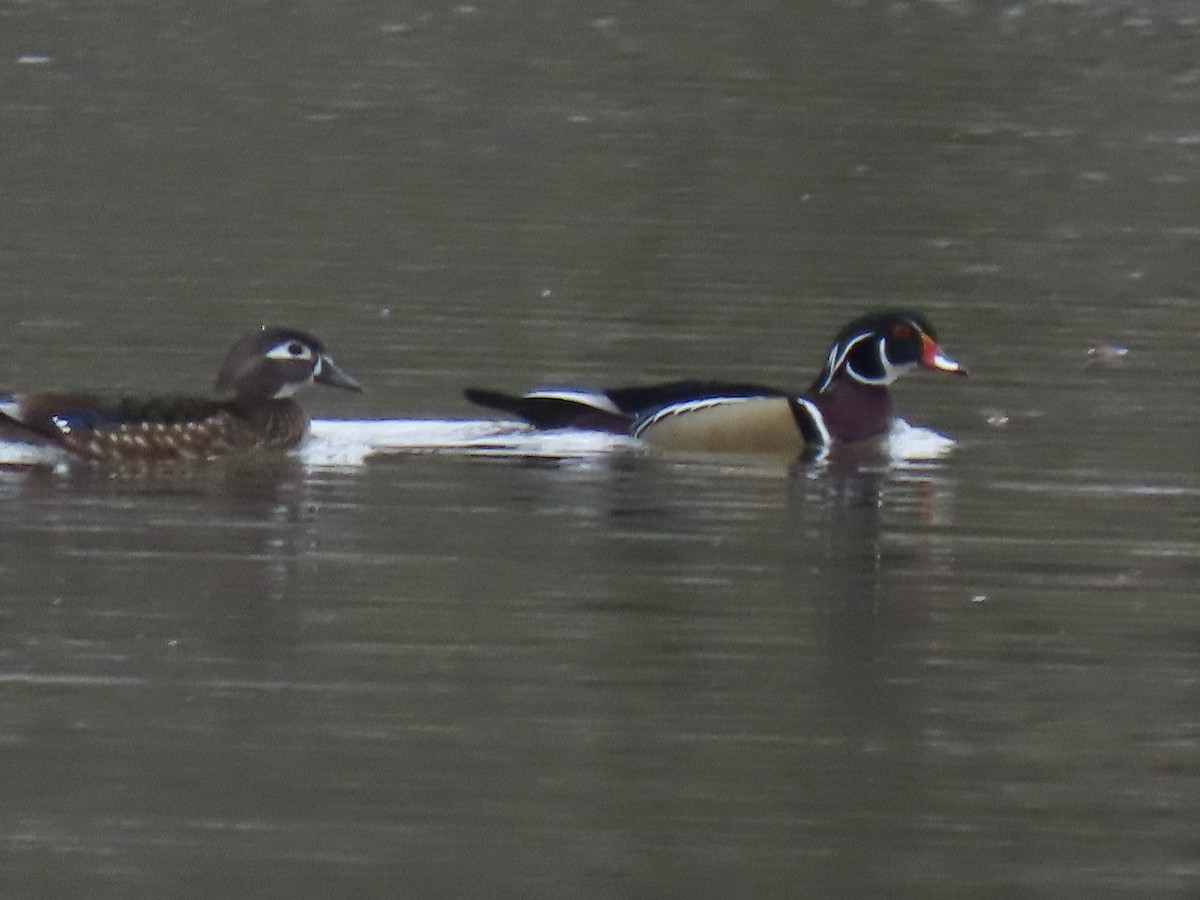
{"x": 624, "y": 661}
{"x": 569, "y": 674}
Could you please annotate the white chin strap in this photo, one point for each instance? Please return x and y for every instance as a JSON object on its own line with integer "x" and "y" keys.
{"x": 890, "y": 372}
{"x": 838, "y": 358}
{"x": 290, "y": 387}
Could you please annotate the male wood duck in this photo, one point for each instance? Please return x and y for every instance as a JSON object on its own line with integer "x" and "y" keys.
{"x": 260, "y": 374}
{"x": 849, "y": 400}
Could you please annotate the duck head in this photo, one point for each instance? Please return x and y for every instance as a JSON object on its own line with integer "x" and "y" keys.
{"x": 274, "y": 363}
{"x": 878, "y": 348}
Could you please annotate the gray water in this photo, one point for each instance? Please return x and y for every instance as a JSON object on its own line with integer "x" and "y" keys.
{"x": 620, "y": 674}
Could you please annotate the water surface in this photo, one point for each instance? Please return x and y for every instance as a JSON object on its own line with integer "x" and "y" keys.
{"x": 585, "y": 670}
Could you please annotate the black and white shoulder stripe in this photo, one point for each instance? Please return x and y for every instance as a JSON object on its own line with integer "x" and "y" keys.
{"x": 810, "y": 421}
{"x": 686, "y": 406}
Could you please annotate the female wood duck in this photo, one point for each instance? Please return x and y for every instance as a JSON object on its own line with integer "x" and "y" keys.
{"x": 849, "y": 400}
{"x": 260, "y": 374}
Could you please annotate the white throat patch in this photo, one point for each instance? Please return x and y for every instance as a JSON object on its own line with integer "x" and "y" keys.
{"x": 287, "y": 389}
{"x": 286, "y": 352}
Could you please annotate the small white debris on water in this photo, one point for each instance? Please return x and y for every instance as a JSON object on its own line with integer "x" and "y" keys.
{"x": 34, "y": 59}
{"x": 1107, "y": 355}
{"x": 995, "y": 418}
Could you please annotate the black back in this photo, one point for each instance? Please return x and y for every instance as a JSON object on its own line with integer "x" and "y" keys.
{"x": 640, "y": 401}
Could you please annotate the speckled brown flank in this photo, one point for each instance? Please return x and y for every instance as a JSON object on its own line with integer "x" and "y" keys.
{"x": 276, "y": 425}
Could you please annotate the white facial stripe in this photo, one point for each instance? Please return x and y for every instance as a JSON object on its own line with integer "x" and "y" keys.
{"x": 890, "y": 372}
{"x": 284, "y": 351}
{"x": 837, "y": 360}
{"x": 831, "y": 362}
{"x": 850, "y": 345}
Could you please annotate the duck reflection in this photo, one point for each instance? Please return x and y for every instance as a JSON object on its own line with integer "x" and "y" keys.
{"x": 200, "y": 560}
{"x": 741, "y": 648}
{"x": 872, "y": 562}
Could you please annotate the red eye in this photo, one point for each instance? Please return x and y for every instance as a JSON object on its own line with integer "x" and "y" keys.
{"x": 902, "y": 331}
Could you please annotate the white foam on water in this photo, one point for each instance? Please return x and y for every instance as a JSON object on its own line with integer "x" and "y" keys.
{"x": 348, "y": 443}
{"x": 914, "y": 443}
{"x": 17, "y": 454}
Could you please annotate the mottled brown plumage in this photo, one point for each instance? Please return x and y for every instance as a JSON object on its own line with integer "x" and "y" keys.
{"x": 261, "y": 371}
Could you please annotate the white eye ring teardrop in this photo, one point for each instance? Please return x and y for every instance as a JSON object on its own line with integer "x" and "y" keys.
{"x": 290, "y": 350}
